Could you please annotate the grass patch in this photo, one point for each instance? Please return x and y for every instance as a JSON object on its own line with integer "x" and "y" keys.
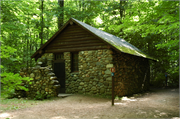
{"x": 16, "y": 104}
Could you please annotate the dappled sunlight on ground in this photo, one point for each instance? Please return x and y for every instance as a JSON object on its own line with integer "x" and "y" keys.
{"x": 6, "y": 116}
{"x": 175, "y": 118}
{"x": 151, "y": 105}
{"x": 128, "y": 99}
{"x": 120, "y": 103}
{"x": 58, "y": 117}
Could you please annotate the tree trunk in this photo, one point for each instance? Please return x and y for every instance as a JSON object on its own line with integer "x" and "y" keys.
{"x": 122, "y": 9}
{"x": 27, "y": 55}
{"x": 47, "y": 33}
{"x": 61, "y": 15}
{"x": 31, "y": 49}
{"x": 83, "y": 8}
{"x": 41, "y": 33}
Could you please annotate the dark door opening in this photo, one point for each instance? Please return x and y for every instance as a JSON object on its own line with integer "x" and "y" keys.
{"x": 59, "y": 70}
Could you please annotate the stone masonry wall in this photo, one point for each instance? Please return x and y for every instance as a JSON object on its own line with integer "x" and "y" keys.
{"x": 132, "y": 74}
{"x": 44, "y": 83}
{"x": 93, "y": 76}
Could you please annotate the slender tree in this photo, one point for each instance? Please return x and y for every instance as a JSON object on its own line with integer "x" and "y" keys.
{"x": 61, "y": 13}
{"x": 42, "y": 22}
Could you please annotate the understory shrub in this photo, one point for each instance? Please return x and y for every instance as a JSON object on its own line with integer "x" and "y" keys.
{"x": 11, "y": 82}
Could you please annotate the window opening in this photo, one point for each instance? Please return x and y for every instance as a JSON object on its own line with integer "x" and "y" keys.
{"x": 74, "y": 62}
{"x": 59, "y": 56}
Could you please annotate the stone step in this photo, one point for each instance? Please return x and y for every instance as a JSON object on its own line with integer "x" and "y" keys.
{"x": 62, "y": 95}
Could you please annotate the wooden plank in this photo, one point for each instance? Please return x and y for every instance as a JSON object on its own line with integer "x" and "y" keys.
{"x": 72, "y": 33}
{"x": 74, "y": 28}
{"x": 73, "y": 36}
{"x": 76, "y": 49}
{"x": 67, "y": 36}
{"x": 75, "y": 45}
{"x": 71, "y": 39}
{"x": 77, "y": 41}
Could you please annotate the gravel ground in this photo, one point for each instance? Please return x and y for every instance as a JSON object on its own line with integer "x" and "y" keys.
{"x": 159, "y": 103}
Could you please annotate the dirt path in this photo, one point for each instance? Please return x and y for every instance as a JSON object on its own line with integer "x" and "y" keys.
{"x": 160, "y": 104}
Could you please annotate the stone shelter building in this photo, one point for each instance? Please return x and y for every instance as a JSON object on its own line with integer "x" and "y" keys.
{"x": 81, "y": 56}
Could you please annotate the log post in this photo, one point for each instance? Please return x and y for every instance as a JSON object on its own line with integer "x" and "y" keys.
{"x": 112, "y": 89}
{"x": 112, "y": 74}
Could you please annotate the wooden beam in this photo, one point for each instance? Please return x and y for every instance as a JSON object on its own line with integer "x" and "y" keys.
{"x": 74, "y": 36}
{"x": 73, "y": 30}
{"x": 41, "y": 52}
{"x": 71, "y": 36}
{"x": 75, "y": 45}
{"x": 37, "y": 56}
{"x": 71, "y": 39}
{"x": 76, "y": 49}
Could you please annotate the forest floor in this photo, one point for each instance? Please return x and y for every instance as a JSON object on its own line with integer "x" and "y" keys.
{"x": 158, "y": 103}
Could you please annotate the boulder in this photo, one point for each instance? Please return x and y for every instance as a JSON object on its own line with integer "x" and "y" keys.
{"x": 109, "y": 79}
{"x": 94, "y": 83}
{"x": 93, "y": 88}
{"x": 39, "y": 63}
{"x": 53, "y": 78}
{"x": 86, "y": 79}
{"x": 108, "y": 72}
{"x": 80, "y": 87}
{"x": 109, "y": 65}
{"x": 42, "y": 67}
{"x": 32, "y": 75}
{"x": 90, "y": 52}
{"x": 51, "y": 74}
{"x": 102, "y": 90}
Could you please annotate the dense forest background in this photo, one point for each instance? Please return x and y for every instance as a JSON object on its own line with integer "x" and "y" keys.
{"x": 152, "y": 26}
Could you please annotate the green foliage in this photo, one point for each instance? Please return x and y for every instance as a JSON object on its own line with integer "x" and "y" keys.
{"x": 159, "y": 80}
{"x": 11, "y": 82}
{"x": 7, "y": 51}
{"x": 118, "y": 98}
{"x": 152, "y": 26}
{"x": 39, "y": 96}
